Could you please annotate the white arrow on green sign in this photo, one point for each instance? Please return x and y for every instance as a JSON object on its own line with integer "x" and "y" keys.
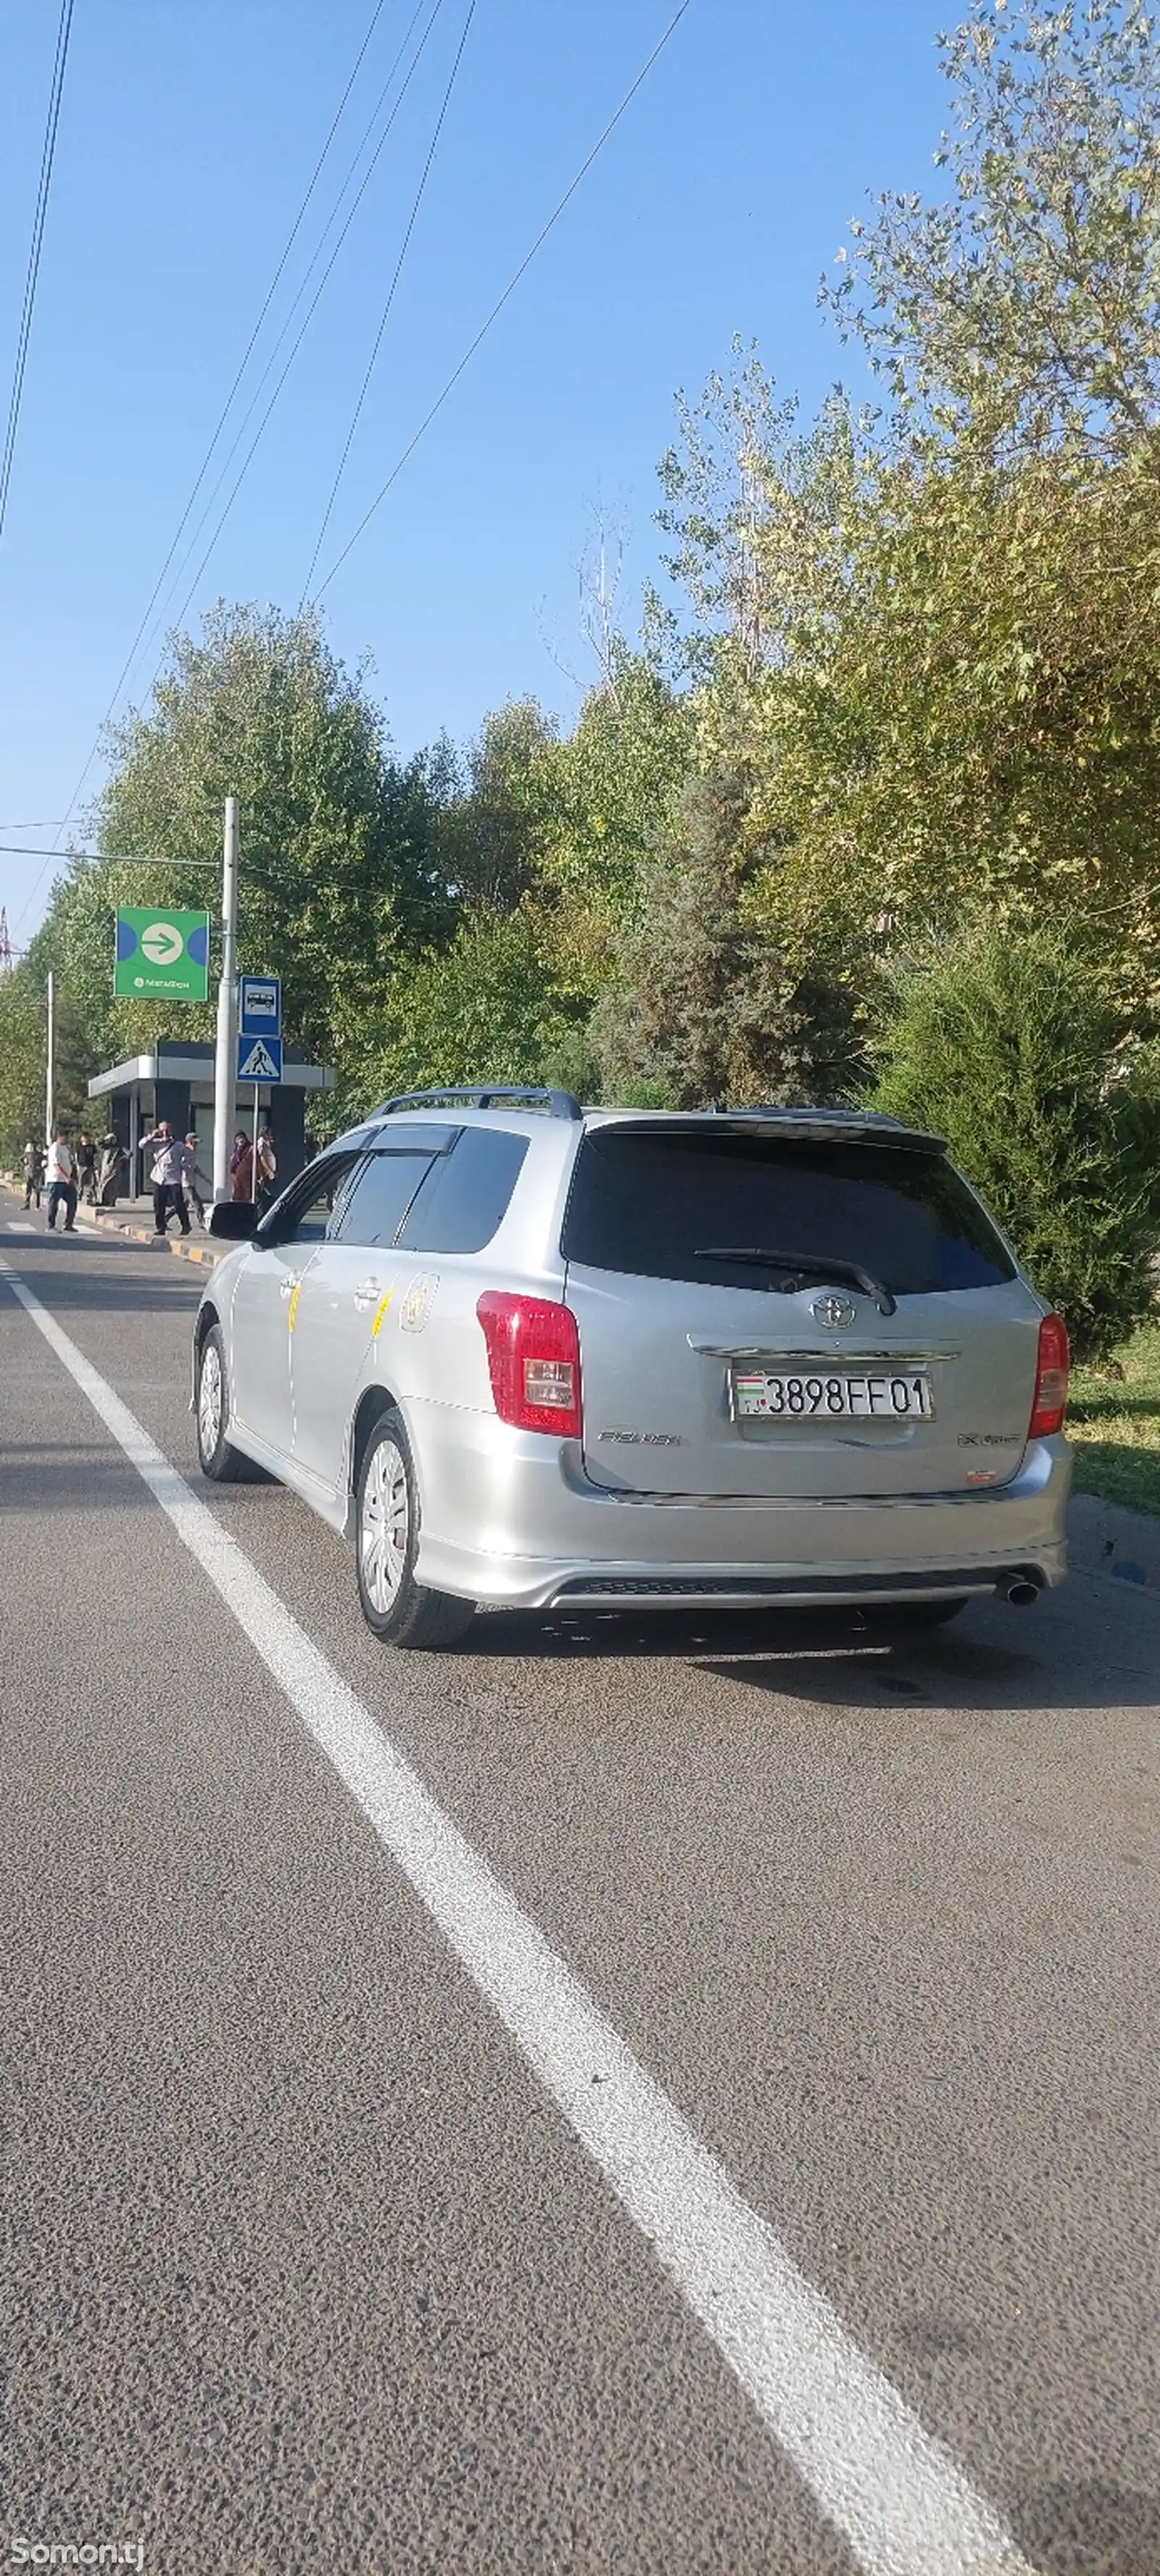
{"x": 161, "y": 956}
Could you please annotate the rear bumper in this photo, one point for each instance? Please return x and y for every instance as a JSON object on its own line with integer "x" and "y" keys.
{"x": 510, "y": 1521}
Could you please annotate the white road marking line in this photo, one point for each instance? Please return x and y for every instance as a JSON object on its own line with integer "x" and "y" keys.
{"x": 17, "y": 1225}
{"x": 901, "y": 2501}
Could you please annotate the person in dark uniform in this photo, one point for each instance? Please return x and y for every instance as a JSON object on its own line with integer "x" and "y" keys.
{"x": 86, "y": 1169}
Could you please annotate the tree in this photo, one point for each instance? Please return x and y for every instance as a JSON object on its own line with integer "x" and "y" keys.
{"x": 1024, "y": 308}
{"x": 957, "y": 687}
{"x": 1012, "y": 1047}
{"x": 715, "y": 509}
{"x": 489, "y": 818}
{"x": 22, "y": 1043}
{"x": 484, "y": 1009}
{"x": 706, "y": 1007}
{"x": 23, "y": 1037}
{"x": 338, "y": 869}
{"x": 603, "y": 794}
{"x": 563, "y": 824}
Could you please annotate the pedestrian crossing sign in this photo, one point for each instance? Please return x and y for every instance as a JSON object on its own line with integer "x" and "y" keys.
{"x": 259, "y": 1059}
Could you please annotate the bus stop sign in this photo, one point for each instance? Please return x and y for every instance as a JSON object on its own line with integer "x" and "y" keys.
{"x": 260, "y": 1006}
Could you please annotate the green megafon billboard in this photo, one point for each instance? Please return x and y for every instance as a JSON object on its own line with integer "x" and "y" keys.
{"x": 161, "y": 956}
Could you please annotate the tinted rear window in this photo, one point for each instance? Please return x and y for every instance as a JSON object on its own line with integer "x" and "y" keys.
{"x": 465, "y": 1198}
{"x": 654, "y": 1205}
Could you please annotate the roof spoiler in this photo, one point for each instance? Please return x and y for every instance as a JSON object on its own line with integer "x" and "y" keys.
{"x": 829, "y": 1126}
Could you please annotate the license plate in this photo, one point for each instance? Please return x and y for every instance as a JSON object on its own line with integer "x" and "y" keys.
{"x": 770, "y": 1395}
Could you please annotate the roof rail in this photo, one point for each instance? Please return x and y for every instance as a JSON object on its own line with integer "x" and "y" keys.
{"x": 559, "y": 1104}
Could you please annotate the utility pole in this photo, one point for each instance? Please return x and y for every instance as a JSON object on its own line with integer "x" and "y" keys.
{"x": 49, "y": 1085}
{"x": 225, "y": 1068}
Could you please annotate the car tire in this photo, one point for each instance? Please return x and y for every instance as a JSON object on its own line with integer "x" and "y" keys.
{"x": 908, "y": 1618}
{"x": 217, "y": 1456}
{"x": 400, "y": 1611}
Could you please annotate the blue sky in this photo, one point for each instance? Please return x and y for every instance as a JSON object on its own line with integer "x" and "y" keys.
{"x": 188, "y": 131}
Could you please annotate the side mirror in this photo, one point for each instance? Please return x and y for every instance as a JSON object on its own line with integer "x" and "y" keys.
{"x": 234, "y": 1218}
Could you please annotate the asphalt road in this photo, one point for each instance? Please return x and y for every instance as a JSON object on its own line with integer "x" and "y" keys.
{"x": 306, "y": 2268}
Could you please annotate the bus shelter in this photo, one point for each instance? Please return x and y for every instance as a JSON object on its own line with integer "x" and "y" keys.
{"x": 176, "y": 1081}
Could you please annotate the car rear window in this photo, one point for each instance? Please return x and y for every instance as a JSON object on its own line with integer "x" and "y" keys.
{"x": 664, "y": 1207}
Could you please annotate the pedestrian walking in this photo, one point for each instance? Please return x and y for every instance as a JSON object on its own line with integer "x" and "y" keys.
{"x": 192, "y": 1177}
{"x": 167, "y": 1173}
{"x": 241, "y": 1166}
{"x": 33, "y": 1173}
{"x": 110, "y": 1156}
{"x": 267, "y": 1189}
{"x": 86, "y": 1160}
{"x": 62, "y": 1182}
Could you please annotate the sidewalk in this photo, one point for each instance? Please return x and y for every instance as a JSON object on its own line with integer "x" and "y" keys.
{"x": 134, "y": 1217}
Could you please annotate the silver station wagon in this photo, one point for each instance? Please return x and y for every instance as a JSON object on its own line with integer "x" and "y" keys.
{"x": 528, "y": 1355}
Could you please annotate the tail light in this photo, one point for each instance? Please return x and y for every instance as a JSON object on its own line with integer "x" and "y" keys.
{"x": 533, "y": 1355}
{"x": 1051, "y": 1378}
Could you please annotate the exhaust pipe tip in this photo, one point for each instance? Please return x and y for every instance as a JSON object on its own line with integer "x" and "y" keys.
{"x": 1019, "y": 1590}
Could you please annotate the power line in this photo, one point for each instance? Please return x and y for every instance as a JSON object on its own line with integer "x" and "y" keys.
{"x": 47, "y": 157}
{"x": 123, "y": 858}
{"x": 248, "y": 415}
{"x": 223, "y": 415}
{"x": 384, "y": 316}
{"x": 304, "y": 327}
{"x": 459, "y": 370}
{"x": 509, "y": 290}
{"x": 255, "y": 871}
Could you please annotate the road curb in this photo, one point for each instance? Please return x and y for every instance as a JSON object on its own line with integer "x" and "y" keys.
{"x": 1109, "y": 1538}
{"x": 181, "y": 1249}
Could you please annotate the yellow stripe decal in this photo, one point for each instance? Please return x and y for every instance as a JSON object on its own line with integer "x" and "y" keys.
{"x": 380, "y": 1311}
{"x": 294, "y": 1297}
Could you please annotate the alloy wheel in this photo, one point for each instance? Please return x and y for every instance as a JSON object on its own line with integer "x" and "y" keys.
{"x": 386, "y": 1526}
{"x": 209, "y": 1400}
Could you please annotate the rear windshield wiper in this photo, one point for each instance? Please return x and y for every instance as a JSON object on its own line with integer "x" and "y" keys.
{"x": 801, "y": 1265}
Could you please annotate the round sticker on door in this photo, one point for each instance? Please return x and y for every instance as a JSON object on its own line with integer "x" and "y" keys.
{"x": 417, "y": 1302}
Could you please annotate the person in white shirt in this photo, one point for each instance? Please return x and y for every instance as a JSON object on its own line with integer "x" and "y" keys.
{"x": 167, "y": 1174}
{"x": 62, "y": 1182}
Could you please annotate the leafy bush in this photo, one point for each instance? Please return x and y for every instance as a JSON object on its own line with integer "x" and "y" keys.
{"x": 1010, "y": 1044}
{"x": 483, "y": 1010}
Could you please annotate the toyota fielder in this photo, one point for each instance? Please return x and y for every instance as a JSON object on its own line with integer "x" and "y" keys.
{"x": 529, "y": 1355}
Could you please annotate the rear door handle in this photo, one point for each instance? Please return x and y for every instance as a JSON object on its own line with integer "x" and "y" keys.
{"x": 368, "y": 1294}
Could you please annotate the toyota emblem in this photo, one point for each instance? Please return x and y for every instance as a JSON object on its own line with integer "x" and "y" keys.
{"x": 834, "y": 1311}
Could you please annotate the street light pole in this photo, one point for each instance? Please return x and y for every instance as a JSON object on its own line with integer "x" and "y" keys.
{"x": 224, "y": 1082}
